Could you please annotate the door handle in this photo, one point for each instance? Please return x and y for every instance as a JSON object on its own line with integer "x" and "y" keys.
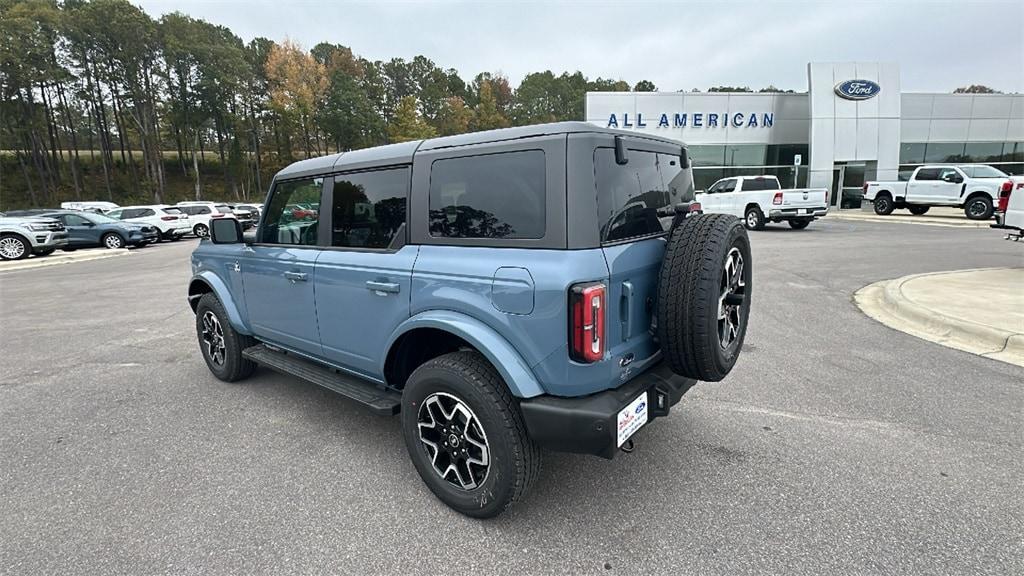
{"x": 295, "y": 276}
{"x": 385, "y": 287}
{"x": 625, "y": 305}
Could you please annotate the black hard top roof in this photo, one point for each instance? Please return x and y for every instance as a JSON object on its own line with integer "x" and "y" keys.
{"x": 403, "y": 153}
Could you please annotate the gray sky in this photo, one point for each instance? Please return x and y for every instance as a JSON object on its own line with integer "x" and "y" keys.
{"x": 677, "y": 45}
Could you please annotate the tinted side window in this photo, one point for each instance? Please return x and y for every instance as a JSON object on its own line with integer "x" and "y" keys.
{"x": 770, "y": 184}
{"x": 74, "y": 220}
{"x": 678, "y": 181}
{"x": 492, "y": 196}
{"x": 927, "y": 174}
{"x": 285, "y": 221}
{"x": 753, "y": 184}
{"x": 630, "y": 195}
{"x": 369, "y": 208}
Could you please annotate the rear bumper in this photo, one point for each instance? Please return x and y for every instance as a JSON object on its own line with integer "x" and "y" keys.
{"x": 589, "y": 424}
{"x": 790, "y": 213}
{"x": 1001, "y": 223}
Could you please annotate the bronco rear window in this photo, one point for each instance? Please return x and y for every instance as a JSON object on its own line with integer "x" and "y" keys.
{"x": 490, "y": 196}
{"x": 637, "y": 199}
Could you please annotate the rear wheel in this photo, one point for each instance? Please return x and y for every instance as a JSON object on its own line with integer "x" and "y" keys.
{"x": 704, "y": 294}
{"x": 918, "y": 210}
{"x": 754, "y": 218}
{"x": 465, "y": 435}
{"x": 799, "y": 224}
{"x": 201, "y": 230}
{"x": 884, "y": 205}
{"x": 979, "y": 208}
{"x": 13, "y": 247}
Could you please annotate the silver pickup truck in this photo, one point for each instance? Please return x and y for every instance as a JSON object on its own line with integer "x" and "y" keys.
{"x": 21, "y": 237}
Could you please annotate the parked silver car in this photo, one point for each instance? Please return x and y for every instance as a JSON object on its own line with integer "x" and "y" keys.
{"x": 21, "y": 237}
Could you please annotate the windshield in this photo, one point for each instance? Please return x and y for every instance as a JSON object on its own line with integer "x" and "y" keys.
{"x": 983, "y": 172}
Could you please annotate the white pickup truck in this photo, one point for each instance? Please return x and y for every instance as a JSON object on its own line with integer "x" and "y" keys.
{"x": 759, "y": 200}
{"x": 975, "y": 188}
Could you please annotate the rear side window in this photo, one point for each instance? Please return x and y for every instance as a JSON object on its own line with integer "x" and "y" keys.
{"x": 171, "y": 211}
{"x": 769, "y": 184}
{"x": 753, "y": 185}
{"x": 633, "y": 199}
{"x": 492, "y": 196}
{"x": 369, "y": 208}
{"x": 927, "y": 174}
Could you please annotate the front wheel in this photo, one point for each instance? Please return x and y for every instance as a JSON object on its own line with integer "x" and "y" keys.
{"x": 799, "y": 224}
{"x": 918, "y": 210}
{"x": 465, "y": 435}
{"x": 754, "y": 218}
{"x": 221, "y": 345}
{"x": 979, "y": 208}
{"x": 201, "y": 230}
{"x": 112, "y": 240}
{"x": 13, "y": 247}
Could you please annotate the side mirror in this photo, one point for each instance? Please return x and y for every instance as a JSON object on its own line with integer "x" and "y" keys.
{"x": 225, "y": 231}
{"x": 620, "y": 151}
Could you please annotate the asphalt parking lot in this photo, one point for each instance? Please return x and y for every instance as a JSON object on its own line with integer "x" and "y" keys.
{"x": 837, "y": 445}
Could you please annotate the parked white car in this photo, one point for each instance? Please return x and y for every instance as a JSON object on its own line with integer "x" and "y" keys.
{"x": 200, "y": 214}
{"x": 975, "y": 188}
{"x": 1010, "y": 214}
{"x": 21, "y": 237}
{"x": 169, "y": 220}
{"x": 760, "y": 199}
{"x": 91, "y": 206}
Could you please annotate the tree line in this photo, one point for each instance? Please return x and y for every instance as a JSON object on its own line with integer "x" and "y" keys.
{"x": 101, "y": 101}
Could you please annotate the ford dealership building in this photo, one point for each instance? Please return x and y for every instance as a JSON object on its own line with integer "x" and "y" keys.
{"x": 853, "y": 124}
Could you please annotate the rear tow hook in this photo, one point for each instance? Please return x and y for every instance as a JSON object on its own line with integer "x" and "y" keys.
{"x": 627, "y": 447}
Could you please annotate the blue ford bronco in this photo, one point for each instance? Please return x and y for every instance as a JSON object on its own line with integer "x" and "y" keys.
{"x": 545, "y": 287}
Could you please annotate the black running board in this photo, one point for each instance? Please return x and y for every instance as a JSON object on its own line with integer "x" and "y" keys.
{"x": 369, "y": 394}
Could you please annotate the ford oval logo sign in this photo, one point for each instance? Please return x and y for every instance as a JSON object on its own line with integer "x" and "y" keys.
{"x": 857, "y": 89}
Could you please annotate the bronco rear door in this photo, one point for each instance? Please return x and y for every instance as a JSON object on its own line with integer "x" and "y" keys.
{"x": 636, "y": 205}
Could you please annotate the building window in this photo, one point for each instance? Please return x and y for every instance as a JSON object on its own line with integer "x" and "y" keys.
{"x": 937, "y": 152}
{"x": 707, "y": 155}
{"x": 912, "y": 153}
{"x": 745, "y": 155}
{"x": 983, "y": 152}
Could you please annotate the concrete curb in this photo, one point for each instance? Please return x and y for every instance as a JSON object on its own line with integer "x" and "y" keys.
{"x": 66, "y": 258}
{"x": 917, "y": 220}
{"x": 886, "y": 302}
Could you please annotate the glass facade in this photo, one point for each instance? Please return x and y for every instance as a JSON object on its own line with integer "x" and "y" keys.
{"x": 1006, "y": 156}
{"x": 714, "y": 162}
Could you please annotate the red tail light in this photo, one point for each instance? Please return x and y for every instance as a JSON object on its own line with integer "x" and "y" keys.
{"x": 695, "y": 207}
{"x": 168, "y": 218}
{"x": 1007, "y": 186}
{"x": 586, "y": 329}
{"x": 778, "y": 198}
{"x": 1004, "y": 200}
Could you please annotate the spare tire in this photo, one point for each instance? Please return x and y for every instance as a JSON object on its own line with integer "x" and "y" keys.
{"x": 704, "y": 294}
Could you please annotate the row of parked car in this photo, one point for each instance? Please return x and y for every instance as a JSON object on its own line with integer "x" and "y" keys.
{"x": 41, "y": 231}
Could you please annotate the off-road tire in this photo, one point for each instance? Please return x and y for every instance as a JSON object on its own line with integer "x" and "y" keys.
{"x": 918, "y": 210}
{"x": 884, "y": 204}
{"x": 799, "y": 224}
{"x": 979, "y": 208}
{"x": 514, "y": 459}
{"x": 235, "y": 367}
{"x": 753, "y": 218}
{"x": 689, "y": 289}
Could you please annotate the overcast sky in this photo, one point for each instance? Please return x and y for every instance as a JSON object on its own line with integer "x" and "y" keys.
{"x": 677, "y": 45}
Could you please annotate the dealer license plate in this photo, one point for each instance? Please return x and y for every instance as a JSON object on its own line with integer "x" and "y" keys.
{"x": 632, "y": 418}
